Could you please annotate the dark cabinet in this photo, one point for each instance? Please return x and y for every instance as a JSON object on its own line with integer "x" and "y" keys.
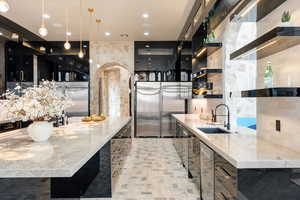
{"x": 19, "y": 63}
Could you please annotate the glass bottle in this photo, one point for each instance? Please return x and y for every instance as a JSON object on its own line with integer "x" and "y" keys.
{"x": 268, "y": 76}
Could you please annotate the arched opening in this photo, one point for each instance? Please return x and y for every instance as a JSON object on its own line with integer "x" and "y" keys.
{"x": 113, "y": 91}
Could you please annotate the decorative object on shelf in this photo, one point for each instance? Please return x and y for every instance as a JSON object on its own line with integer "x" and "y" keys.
{"x": 211, "y": 38}
{"x": 38, "y": 104}
{"x": 80, "y": 54}
{"x": 268, "y": 76}
{"x": 91, "y": 11}
{"x": 94, "y": 118}
{"x": 67, "y": 44}
{"x": 286, "y": 19}
{"x": 4, "y": 7}
{"x": 43, "y": 30}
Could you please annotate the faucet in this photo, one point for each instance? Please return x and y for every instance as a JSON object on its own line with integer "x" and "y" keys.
{"x": 214, "y": 115}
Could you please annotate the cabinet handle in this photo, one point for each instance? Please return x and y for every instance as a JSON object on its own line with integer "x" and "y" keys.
{"x": 21, "y": 75}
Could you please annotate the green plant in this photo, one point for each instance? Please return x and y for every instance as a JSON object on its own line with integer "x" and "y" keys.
{"x": 286, "y": 17}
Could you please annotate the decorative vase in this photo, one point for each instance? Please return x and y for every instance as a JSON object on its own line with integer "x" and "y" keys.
{"x": 40, "y": 131}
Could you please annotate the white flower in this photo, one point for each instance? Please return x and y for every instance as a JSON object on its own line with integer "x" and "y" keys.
{"x": 37, "y": 103}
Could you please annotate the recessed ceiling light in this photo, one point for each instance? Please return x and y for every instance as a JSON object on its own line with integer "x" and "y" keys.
{"x": 1, "y": 33}
{"x": 147, "y": 46}
{"x": 146, "y": 33}
{"x": 107, "y": 33}
{"x": 46, "y": 16}
{"x": 68, "y": 33}
{"x": 145, "y": 15}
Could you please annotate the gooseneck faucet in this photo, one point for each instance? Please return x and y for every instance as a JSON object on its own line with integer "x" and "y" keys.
{"x": 227, "y": 125}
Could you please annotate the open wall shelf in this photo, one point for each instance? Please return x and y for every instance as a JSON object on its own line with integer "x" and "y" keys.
{"x": 207, "y": 49}
{"x": 274, "y": 41}
{"x": 253, "y": 11}
{"x": 273, "y": 92}
{"x": 205, "y": 72}
{"x": 208, "y": 96}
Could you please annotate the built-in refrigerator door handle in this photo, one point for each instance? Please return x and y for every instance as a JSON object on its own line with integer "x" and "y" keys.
{"x": 21, "y": 75}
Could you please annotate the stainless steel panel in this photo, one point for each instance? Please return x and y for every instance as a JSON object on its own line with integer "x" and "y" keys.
{"x": 148, "y": 109}
{"x": 79, "y": 93}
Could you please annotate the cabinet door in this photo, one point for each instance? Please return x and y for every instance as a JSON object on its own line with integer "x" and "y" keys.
{"x": 207, "y": 172}
{"x": 185, "y": 148}
{"x": 194, "y": 159}
{"x": 225, "y": 179}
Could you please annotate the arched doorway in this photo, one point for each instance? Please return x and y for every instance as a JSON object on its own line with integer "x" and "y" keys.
{"x": 113, "y": 90}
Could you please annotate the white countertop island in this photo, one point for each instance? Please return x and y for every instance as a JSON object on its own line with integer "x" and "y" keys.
{"x": 68, "y": 149}
{"x": 242, "y": 150}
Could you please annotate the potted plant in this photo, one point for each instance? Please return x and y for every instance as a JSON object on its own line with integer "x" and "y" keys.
{"x": 39, "y": 104}
{"x": 286, "y": 19}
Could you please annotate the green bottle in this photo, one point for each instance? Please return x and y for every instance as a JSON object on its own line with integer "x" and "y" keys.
{"x": 268, "y": 77}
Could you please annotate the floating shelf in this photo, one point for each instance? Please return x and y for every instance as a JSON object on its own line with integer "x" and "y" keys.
{"x": 208, "y": 96}
{"x": 273, "y": 92}
{"x": 207, "y": 49}
{"x": 274, "y": 41}
{"x": 250, "y": 11}
{"x": 205, "y": 72}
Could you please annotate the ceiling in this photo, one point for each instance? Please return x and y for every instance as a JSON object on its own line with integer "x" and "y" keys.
{"x": 166, "y": 18}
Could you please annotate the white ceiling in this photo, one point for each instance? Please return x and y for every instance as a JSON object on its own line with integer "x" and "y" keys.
{"x": 166, "y": 18}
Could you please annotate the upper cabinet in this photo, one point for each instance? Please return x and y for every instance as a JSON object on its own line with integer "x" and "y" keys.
{"x": 19, "y": 63}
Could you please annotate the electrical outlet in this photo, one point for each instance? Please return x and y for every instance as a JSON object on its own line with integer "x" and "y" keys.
{"x": 278, "y": 125}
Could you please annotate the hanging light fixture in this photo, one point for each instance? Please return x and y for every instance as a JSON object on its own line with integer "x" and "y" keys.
{"x": 98, "y": 21}
{"x": 67, "y": 44}
{"x": 91, "y": 11}
{"x": 4, "y": 7}
{"x": 43, "y": 30}
{"x": 80, "y": 54}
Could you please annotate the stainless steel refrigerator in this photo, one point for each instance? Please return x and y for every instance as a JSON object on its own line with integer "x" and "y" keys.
{"x": 154, "y": 104}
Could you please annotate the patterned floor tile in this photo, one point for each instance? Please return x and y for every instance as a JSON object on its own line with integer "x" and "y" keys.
{"x": 153, "y": 172}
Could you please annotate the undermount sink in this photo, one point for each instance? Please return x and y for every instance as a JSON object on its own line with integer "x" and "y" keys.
{"x": 213, "y": 131}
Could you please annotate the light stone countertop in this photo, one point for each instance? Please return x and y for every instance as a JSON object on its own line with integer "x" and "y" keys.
{"x": 242, "y": 150}
{"x": 68, "y": 149}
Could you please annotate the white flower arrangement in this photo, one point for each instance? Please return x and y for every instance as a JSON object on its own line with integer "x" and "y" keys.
{"x": 36, "y": 103}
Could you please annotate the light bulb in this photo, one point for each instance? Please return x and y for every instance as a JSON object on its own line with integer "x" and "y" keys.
{"x": 43, "y": 31}
{"x": 80, "y": 54}
{"x": 90, "y": 61}
{"x": 4, "y": 7}
{"x": 67, "y": 45}
{"x": 98, "y": 66}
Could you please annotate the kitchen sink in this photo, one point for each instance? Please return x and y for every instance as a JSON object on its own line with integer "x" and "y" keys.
{"x": 213, "y": 131}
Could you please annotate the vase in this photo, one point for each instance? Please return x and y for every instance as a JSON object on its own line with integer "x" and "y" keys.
{"x": 40, "y": 131}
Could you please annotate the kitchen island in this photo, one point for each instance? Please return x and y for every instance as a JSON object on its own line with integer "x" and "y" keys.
{"x": 236, "y": 165}
{"x": 68, "y": 163}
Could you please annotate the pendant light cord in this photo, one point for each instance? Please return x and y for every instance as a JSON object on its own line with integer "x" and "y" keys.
{"x": 80, "y": 25}
{"x": 67, "y": 24}
{"x": 43, "y": 13}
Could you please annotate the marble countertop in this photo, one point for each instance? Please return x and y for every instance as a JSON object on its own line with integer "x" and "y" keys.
{"x": 68, "y": 149}
{"x": 242, "y": 150}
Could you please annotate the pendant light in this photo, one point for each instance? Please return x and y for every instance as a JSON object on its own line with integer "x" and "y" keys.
{"x": 67, "y": 44}
{"x": 80, "y": 54}
{"x": 98, "y": 21}
{"x": 4, "y": 7}
{"x": 43, "y": 30}
{"x": 91, "y": 11}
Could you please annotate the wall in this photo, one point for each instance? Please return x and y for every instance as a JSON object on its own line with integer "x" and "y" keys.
{"x": 286, "y": 71}
{"x": 236, "y": 76}
{"x": 108, "y": 54}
